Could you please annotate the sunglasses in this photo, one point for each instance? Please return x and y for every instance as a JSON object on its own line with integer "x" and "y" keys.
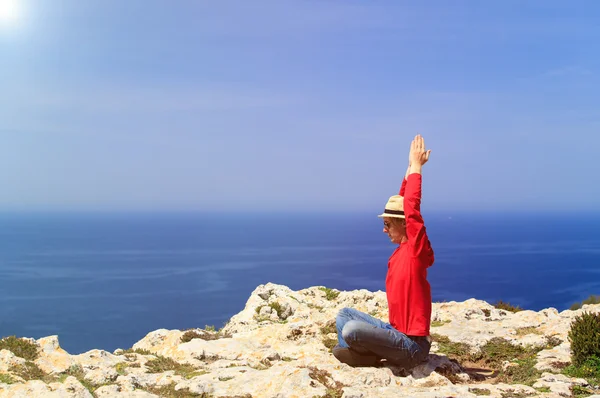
{"x": 388, "y": 224}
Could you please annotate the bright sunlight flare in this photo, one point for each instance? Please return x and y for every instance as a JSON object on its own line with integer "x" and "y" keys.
{"x": 9, "y": 10}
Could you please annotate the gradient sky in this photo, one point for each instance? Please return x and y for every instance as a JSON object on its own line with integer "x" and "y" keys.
{"x": 303, "y": 105}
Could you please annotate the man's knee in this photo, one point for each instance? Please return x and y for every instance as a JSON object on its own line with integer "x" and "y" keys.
{"x": 351, "y": 332}
{"x": 343, "y": 316}
{"x": 346, "y": 311}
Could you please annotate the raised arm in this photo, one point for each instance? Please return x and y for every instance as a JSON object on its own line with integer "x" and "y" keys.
{"x": 415, "y": 226}
{"x": 403, "y": 187}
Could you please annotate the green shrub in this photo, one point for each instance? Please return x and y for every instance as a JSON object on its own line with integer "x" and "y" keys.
{"x": 590, "y": 300}
{"x": 20, "y": 347}
{"x": 584, "y": 337}
{"x": 590, "y": 371}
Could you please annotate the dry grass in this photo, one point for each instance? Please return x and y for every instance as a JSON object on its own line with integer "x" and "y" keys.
{"x": 527, "y": 330}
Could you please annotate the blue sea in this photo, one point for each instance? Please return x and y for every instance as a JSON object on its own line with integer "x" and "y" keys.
{"x": 106, "y": 280}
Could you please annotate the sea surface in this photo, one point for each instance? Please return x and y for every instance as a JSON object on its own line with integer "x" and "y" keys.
{"x": 106, "y": 280}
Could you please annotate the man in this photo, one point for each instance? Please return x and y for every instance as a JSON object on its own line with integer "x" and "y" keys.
{"x": 364, "y": 340}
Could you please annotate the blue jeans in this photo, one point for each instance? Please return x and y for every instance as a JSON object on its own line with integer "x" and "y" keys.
{"x": 367, "y": 335}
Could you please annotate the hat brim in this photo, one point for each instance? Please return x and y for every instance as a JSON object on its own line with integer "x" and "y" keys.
{"x": 391, "y": 215}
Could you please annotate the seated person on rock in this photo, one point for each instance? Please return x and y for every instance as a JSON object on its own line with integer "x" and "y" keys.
{"x": 364, "y": 340}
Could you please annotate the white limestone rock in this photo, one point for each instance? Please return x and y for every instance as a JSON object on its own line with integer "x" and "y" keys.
{"x": 52, "y": 358}
{"x": 70, "y": 388}
{"x": 9, "y": 360}
{"x": 275, "y": 347}
{"x": 115, "y": 391}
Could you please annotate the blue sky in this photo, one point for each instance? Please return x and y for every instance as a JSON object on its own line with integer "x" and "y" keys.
{"x": 303, "y": 105}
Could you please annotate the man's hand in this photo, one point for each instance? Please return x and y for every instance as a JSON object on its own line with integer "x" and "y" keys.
{"x": 418, "y": 155}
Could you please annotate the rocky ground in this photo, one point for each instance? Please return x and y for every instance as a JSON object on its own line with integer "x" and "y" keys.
{"x": 279, "y": 346}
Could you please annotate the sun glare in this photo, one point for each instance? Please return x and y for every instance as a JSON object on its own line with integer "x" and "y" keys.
{"x": 9, "y": 10}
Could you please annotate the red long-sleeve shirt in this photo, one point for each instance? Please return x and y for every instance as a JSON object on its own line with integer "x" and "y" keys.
{"x": 408, "y": 291}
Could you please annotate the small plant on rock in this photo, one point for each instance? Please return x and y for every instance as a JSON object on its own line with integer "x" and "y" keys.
{"x": 139, "y": 351}
{"x": 121, "y": 367}
{"x": 330, "y": 294}
{"x": 329, "y": 327}
{"x": 277, "y": 308}
{"x": 329, "y": 343}
{"x": 6, "y": 378}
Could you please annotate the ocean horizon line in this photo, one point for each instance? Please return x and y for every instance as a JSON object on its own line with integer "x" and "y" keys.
{"x": 300, "y": 212}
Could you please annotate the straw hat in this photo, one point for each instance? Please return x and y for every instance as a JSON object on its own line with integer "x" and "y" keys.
{"x": 394, "y": 207}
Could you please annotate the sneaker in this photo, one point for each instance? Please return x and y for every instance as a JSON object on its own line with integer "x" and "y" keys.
{"x": 352, "y": 358}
